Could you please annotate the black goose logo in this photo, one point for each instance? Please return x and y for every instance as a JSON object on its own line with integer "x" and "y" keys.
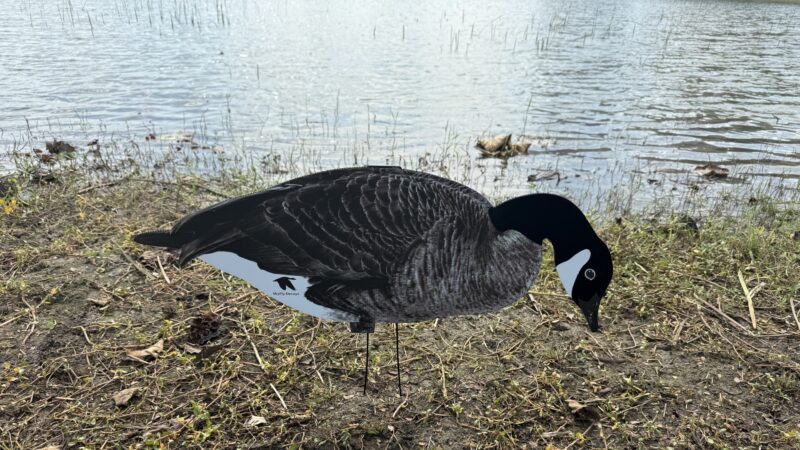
{"x": 285, "y": 282}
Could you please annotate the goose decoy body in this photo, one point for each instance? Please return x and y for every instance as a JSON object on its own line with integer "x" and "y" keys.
{"x": 385, "y": 244}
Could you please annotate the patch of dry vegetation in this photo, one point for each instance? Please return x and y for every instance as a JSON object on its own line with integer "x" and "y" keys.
{"x": 104, "y": 344}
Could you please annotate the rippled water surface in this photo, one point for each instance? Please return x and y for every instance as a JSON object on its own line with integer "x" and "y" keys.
{"x": 652, "y": 87}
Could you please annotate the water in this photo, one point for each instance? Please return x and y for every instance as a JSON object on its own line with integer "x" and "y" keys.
{"x": 604, "y": 89}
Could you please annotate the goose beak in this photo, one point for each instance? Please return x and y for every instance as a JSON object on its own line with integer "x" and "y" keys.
{"x": 591, "y": 309}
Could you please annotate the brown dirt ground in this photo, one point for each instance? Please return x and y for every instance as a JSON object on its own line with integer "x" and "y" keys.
{"x": 677, "y": 364}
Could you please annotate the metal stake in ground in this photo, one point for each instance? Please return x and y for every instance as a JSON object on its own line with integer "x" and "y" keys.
{"x": 366, "y": 366}
{"x": 397, "y": 355}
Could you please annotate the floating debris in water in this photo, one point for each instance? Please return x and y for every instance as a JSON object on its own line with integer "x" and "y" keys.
{"x": 495, "y": 144}
{"x": 501, "y": 147}
{"x": 711, "y": 171}
{"x": 177, "y": 137}
{"x": 521, "y": 148}
{"x": 541, "y": 142}
{"x": 57, "y": 147}
{"x": 544, "y": 176}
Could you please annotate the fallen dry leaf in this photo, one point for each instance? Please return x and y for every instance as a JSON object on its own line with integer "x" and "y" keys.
{"x": 51, "y": 447}
{"x": 575, "y": 405}
{"x": 193, "y": 349}
{"x": 122, "y": 397}
{"x": 301, "y": 418}
{"x": 254, "y": 421}
{"x": 151, "y": 351}
{"x": 99, "y": 299}
{"x": 583, "y": 412}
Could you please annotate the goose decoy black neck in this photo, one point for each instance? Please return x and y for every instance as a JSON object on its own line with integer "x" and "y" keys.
{"x": 582, "y": 260}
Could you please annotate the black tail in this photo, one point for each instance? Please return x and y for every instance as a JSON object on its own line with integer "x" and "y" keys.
{"x": 158, "y": 239}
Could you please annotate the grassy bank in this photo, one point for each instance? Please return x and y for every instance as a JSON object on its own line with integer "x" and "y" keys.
{"x": 678, "y": 363}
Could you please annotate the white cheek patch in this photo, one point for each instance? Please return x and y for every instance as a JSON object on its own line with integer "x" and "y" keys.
{"x": 287, "y": 289}
{"x": 568, "y": 270}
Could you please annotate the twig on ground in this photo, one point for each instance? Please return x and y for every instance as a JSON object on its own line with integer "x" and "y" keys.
{"x": 103, "y": 185}
{"x": 255, "y": 349}
{"x": 577, "y": 439}
{"x": 166, "y": 278}
{"x": 749, "y": 297}
{"x": 13, "y": 318}
{"x": 400, "y": 406}
{"x": 794, "y": 313}
{"x": 136, "y": 265}
{"x": 723, "y": 337}
{"x": 279, "y": 396}
{"x": 34, "y": 321}
{"x": 86, "y": 336}
{"x": 722, "y": 314}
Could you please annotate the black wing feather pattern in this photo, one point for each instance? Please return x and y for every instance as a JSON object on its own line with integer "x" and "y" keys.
{"x": 336, "y": 226}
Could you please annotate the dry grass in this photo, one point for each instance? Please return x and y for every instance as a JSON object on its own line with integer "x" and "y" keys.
{"x": 676, "y": 365}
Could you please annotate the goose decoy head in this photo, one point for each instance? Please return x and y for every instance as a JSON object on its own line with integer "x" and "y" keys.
{"x": 586, "y": 276}
{"x": 583, "y": 260}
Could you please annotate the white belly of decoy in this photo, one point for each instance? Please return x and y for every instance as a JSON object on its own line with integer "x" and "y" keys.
{"x": 290, "y": 290}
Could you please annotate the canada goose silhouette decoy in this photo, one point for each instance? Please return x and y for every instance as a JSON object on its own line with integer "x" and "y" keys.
{"x": 384, "y": 244}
